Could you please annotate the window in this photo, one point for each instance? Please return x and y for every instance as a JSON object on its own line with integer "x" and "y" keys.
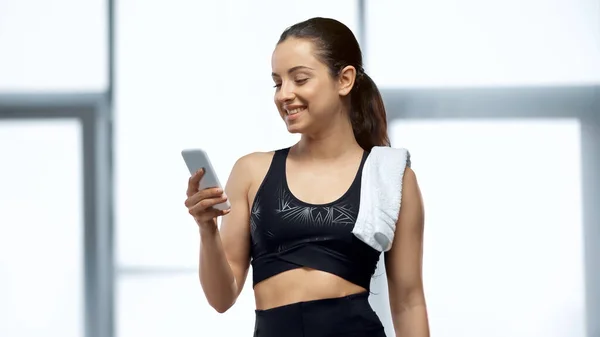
{"x": 53, "y": 46}
{"x": 436, "y": 43}
{"x": 504, "y": 236}
{"x": 41, "y": 229}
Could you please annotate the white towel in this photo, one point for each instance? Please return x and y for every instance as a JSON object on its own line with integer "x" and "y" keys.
{"x": 380, "y": 196}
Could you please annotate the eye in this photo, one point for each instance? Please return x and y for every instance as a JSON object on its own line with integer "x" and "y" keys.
{"x": 301, "y": 81}
{"x": 277, "y": 85}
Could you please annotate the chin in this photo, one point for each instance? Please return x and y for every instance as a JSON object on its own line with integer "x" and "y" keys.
{"x": 296, "y": 126}
{"x": 303, "y": 124}
{"x": 295, "y": 129}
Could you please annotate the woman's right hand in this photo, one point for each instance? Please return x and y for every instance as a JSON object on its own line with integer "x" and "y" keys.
{"x": 200, "y": 202}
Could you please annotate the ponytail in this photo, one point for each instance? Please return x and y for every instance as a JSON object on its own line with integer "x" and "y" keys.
{"x": 368, "y": 115}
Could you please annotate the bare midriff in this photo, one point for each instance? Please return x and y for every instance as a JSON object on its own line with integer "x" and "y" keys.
{"x": 301, "y": 285}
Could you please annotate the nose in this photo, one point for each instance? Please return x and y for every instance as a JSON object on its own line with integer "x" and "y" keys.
{"x": 285, "y": 93}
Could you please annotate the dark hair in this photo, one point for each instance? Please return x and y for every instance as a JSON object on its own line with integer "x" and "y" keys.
{"x": 337, "y": 47}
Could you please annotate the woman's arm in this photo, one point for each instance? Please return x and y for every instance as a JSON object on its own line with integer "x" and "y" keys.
{"x": 225, "y": 253}
{"x": 404, "y": 263}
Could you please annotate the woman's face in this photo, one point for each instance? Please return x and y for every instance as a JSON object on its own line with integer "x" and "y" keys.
{"x": 306, "y": 95}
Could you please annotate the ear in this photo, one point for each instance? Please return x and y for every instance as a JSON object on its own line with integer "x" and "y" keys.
{"x": 346, "y": 80}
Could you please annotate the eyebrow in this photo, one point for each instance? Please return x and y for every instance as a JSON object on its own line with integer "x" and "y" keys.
{"x": 291, "y": 70}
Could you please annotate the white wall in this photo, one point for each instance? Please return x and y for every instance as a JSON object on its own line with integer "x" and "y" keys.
{"x": 436, "y": 43}
{"x": 53, "y": 46}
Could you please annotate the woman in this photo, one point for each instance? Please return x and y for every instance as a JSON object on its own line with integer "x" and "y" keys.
{"x": 292, "y": 210}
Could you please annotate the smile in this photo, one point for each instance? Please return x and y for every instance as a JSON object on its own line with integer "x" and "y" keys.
{"x": 294, "y": 111}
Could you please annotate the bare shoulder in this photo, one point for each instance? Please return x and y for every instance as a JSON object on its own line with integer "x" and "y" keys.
{"x": 410, "y": 178}
{"x": 412, "y": 200}
{"x": 254, "y": 164}
{"x": 252, "y": 168}
{"x": 255, "y": 160}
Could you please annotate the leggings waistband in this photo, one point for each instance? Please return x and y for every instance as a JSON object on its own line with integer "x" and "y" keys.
{"x": 342, "y": 316}
{"x": 306, "y": 305}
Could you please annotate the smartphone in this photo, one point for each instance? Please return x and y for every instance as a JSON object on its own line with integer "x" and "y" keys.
{"x": 196, "y": 159}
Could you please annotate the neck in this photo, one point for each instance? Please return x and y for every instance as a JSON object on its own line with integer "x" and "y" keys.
{"x": 335, "y": 141}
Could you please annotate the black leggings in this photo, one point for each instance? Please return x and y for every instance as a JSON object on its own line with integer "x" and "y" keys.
{"x": 350, "y": 316}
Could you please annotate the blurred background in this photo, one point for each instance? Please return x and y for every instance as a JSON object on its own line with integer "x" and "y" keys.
{"x": 497, "y": 100}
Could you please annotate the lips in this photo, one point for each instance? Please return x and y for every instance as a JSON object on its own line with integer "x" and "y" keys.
{"x": 294, "y": 111}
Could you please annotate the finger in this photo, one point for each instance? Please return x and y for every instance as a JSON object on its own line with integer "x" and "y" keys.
{"x": 216, "y": 212}
{"x": 208, "y": 203}
{"x": 194, "y": 182}
{"x": 207, "y": 193}
{"x": 204, "y": 194}
{"x": 205, "y": 204}
{"x": 210, "y": 213}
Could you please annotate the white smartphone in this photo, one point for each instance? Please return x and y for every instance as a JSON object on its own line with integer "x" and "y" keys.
{"x": 196, "y": 159}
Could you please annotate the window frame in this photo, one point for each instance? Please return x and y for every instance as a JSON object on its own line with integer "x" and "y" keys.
{"x": 91, "y": 111}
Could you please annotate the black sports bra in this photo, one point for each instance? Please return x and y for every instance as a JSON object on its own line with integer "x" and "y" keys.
{"x": 288, "y": 233}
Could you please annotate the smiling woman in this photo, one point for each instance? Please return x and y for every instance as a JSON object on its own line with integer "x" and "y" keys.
{"x": 311, "y": 275}
{"x": 305, "y": 59}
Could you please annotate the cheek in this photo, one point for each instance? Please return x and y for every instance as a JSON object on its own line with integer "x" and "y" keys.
{"x": 313, "y": 90}
{"x": 322, "y": 101}
{"x": 316, "y": 96}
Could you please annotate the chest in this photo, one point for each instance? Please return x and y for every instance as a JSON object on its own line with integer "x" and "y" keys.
{"x": 319, "y": 184}
{"x": 282, "y": 219}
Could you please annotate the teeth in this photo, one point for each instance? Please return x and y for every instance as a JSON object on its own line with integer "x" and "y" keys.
{"x": 294, "y": 111}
